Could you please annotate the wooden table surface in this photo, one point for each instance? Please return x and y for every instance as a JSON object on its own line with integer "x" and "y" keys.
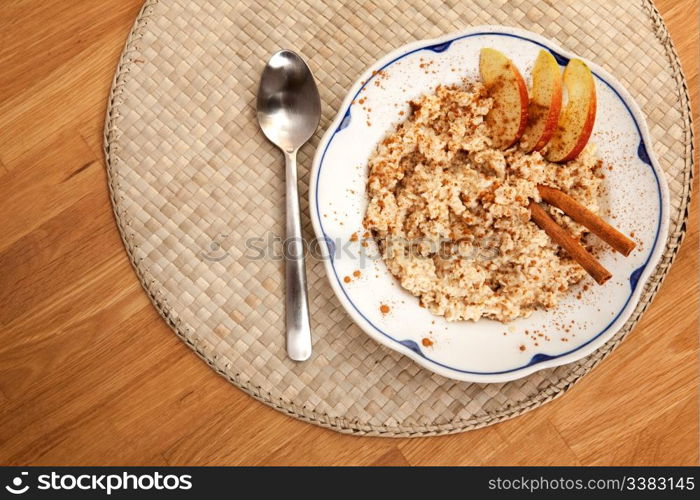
{"x": 76, "y": 387}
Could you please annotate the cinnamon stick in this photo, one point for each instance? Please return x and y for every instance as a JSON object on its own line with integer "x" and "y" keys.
{"x": 568, "y": 243}
{"x": 585, "y": 217}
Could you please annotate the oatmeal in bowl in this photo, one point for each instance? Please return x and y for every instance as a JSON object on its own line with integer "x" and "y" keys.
{"x": 452, "y": 192}
{"x": 450, "y": 212}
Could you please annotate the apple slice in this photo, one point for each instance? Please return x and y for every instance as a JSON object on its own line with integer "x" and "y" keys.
{"x": 545, "y": 103}
{"x": 576, "y": 121}
{"x": 508, "y": 116}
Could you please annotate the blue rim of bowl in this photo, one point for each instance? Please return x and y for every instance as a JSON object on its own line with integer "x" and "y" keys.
{"x": 642, "y": 153}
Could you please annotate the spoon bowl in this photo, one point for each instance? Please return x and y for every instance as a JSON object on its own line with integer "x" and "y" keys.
{"x": 288, "y": 105}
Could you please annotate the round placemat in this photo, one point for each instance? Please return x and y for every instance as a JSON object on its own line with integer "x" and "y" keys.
{"x": 198, "y": 191}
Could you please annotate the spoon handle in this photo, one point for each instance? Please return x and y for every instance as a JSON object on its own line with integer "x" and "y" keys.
{"x": 297, "y": 304}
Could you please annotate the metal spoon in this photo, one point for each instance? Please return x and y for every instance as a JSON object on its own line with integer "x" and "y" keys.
{"x": 289, "y": 109}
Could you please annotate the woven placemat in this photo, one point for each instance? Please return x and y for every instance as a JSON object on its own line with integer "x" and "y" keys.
{"x": 192, "y": 180}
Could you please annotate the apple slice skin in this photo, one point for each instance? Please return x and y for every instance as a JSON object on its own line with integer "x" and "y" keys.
{"x": 587, "y": 129}
{"x": 545, "y": 103}
{"x": 500, "y": 75}
{"x": 576, "y": 121}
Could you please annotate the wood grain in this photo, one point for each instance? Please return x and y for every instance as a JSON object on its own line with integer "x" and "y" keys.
{"x": 76, "y": 389}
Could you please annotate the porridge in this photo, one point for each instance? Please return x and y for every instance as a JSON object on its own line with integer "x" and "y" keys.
{"x": 449, "y": 211}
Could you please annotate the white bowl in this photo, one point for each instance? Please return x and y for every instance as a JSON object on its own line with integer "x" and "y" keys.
{"x": 485, "y": 350}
